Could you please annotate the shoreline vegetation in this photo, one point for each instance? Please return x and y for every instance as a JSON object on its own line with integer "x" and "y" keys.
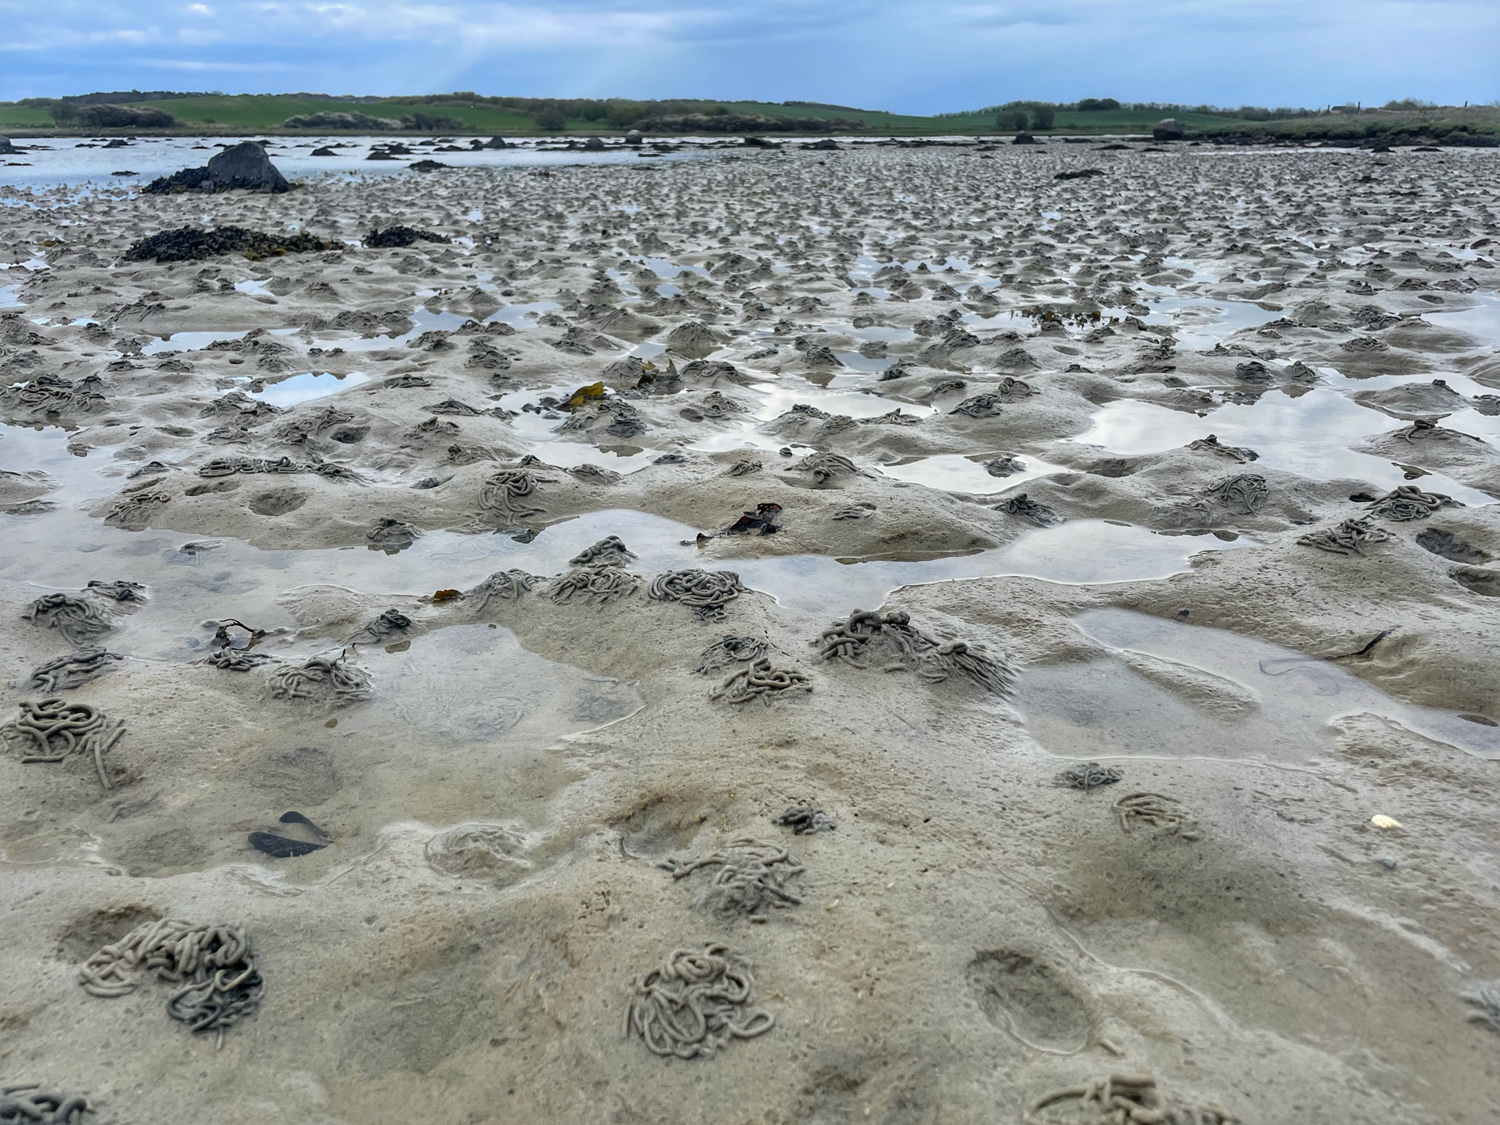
{"x": 1406, "y": 122}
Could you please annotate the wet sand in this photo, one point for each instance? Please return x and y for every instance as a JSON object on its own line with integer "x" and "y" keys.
{"x": 1091, "y": 429}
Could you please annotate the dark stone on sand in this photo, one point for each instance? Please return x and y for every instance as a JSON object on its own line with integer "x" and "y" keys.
{"x": 759, "y": 142}
{"x": 633, "y": 137}
{"x": 427, "y": 166}
{"x": 281, "y": 847}
{"x": 243, "y": 166}
{"x": 8, "y": 149}
{"x": 822, "y": 145}
{"x": 594, "y": 144}
{"x": 398, "y": 237}
{"x": 324, "y": 151}
{"x": 1081, "y": 174}
{"x": 1023, "y": 139}
{"x": 496, "y": 142}
{"x": 1169, "y": 129}
{"x": 187, "y": 244}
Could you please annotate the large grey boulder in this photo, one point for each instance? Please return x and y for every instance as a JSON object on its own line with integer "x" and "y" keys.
{"x": 8, "y": 149}
{"x": 594, "y": 144}
{"x": 1169, "y": 129}
{"x": 247, "y": 166}
{"x": 244, "y": 165}
{"x": 633, "y": 137}
{"x": 496, "y": 142}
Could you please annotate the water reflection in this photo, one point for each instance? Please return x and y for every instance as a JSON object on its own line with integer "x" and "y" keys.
{"x": 1178, "y": 690}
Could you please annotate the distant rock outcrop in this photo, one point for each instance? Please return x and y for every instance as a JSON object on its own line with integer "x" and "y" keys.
{"x": 1169, "y": 129}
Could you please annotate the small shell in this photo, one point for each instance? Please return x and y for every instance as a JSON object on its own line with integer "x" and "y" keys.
{"x": 1380, "y": 820}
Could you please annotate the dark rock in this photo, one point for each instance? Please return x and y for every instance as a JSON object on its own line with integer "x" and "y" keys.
{"x": 594, "y": 144}
{"x": 427, "y": 166}
{"x": 1169, "y": 129}
{"x": 324, "y": 151}
{"x": 8, "y": 149}
{"x": 1081, "y": 174}
{"x": 244, "y": 166}
{"x": 633, "y": 137}
{"x": 497, "y": 142}
{"x": 1023, "y": 139}
{"x": 823, "y": 145}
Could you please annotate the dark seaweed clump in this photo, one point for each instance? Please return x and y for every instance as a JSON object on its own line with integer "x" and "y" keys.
{"x": 395, "y": 237}
{"x": 186, "y": 244}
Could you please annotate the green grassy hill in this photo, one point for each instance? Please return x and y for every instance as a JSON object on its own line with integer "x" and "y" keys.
{"x": 267, "y": 113}
{"x": 12, "y": 115}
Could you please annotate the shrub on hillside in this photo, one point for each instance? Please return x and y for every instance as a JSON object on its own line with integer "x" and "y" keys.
{"x": 112, "y": 116}
{"x": 356, "y": 121}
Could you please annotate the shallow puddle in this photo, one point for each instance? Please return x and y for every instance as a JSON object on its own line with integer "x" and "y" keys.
{"x": 194, "y": 580}
{"x": 1482, "y": 321}
{"x": 475, "y": 683}
{"x": 1309, "y": 435}
{"x": 1177, "y": 690}
{"x": 954, "y": 472}
{"x": 1078, "y": 552}
{"x": 188, "y": 341}
{"x": 1202, "y": 323}
{"x": 307, "y": 387}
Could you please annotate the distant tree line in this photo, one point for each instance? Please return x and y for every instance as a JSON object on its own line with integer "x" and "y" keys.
{"x": 114, "y": 97}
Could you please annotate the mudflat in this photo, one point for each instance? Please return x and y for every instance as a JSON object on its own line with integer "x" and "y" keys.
{"x": 894, "y": 634}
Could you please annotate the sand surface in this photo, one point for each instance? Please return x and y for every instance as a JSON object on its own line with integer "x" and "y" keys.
{"x": 1077, "y": 431}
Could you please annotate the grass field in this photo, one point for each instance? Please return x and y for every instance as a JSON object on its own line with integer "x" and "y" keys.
{"x": 268, "y": 112}
{"x": 245, "y": 113}
{"x": 26, "y": 118}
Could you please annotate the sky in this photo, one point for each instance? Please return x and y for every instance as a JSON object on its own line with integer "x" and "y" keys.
{"x": 906, "y": 56}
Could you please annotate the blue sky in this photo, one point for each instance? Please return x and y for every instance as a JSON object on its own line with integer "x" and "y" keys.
{"x": 913, "y": 56}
